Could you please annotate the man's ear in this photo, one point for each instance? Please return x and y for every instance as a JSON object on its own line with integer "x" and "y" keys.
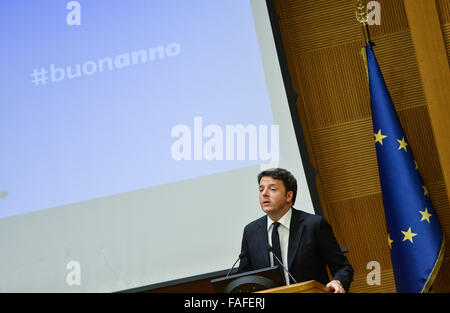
{"x": 289, "y": 195}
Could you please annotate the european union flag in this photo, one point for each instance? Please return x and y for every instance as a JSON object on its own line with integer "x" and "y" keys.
{"x": 414, "y": 233}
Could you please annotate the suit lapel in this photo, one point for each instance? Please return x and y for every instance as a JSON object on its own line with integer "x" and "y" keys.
{"x": 262, "y": 241}
{"x": 295, "y": 235}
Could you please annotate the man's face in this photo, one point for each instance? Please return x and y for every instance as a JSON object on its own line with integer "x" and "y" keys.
{"x": 273, "y": 197}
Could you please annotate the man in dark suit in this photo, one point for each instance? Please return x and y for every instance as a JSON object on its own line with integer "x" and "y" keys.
{"x": 303, "y": 242}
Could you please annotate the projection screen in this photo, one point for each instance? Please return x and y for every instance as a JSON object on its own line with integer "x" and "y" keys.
{"x": 131, "y": 136}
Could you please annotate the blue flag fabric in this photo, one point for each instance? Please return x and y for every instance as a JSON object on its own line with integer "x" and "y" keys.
{"x": 414, "y": 235}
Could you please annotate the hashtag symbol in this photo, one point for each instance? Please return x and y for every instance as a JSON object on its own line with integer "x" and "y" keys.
{"x": 39, "y": 76}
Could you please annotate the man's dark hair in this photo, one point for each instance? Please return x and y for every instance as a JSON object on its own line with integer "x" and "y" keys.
{"x": 289, "y": 181}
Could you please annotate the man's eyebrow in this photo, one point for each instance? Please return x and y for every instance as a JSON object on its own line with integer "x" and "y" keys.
{"x": 268, "y": 185}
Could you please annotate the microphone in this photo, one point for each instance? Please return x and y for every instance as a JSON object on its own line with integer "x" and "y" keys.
{"x": 240, "y": 257}
{"x": 281, "y": 263}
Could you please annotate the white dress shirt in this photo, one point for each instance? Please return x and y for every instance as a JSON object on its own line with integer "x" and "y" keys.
{"x": 283, "y": 232}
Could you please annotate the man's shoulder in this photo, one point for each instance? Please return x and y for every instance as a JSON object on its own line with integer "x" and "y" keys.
{"x": 257, "y": 223}
{"x": 307, "y": 218}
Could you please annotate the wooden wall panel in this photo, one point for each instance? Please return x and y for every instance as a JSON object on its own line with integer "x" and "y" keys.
{"x": 370, "y": 237}
{"x": 346, "y": 160}
{"x": 417, "y": 127}
{"x": 443, "y": 9}
{"x": 438, "y": 196}
{"x": 337, "y": 75}
{"x": 395, "y": 55}
{"x": 429, "y": 47}
{"x": 323, "y": 42}
{"x": 446, "y": 35}
{"x": 393, "y": 19}
{"x": 442, "y": 283}
{"x": 387, "y": 283}
{"x": 312, "y": 25}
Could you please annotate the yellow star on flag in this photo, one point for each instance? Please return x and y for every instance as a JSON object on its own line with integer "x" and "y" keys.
{"x": 390, "y": 241}
{"x": 425, "y": 215}
{"x": 402, "y": 143}
{"x": 425, "y": 191}
{"x": 408, "y": 235}
{"x": 379, "y": 137}
{"x": 415, "y": 163}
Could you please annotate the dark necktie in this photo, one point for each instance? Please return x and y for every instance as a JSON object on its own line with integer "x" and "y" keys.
{"x": 277, "y": 248}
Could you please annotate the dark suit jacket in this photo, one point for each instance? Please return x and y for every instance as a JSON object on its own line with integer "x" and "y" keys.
{"x": 312, "y": 246}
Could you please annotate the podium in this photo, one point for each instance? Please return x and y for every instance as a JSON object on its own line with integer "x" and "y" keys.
{"x": 310, "y": 286}
{"x": 257, "y": 280}
{"x": 266, "y": 280}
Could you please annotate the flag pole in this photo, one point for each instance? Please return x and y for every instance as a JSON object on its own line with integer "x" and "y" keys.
{"x": 362, "y": 13}
{"x": 362, "y": 16}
